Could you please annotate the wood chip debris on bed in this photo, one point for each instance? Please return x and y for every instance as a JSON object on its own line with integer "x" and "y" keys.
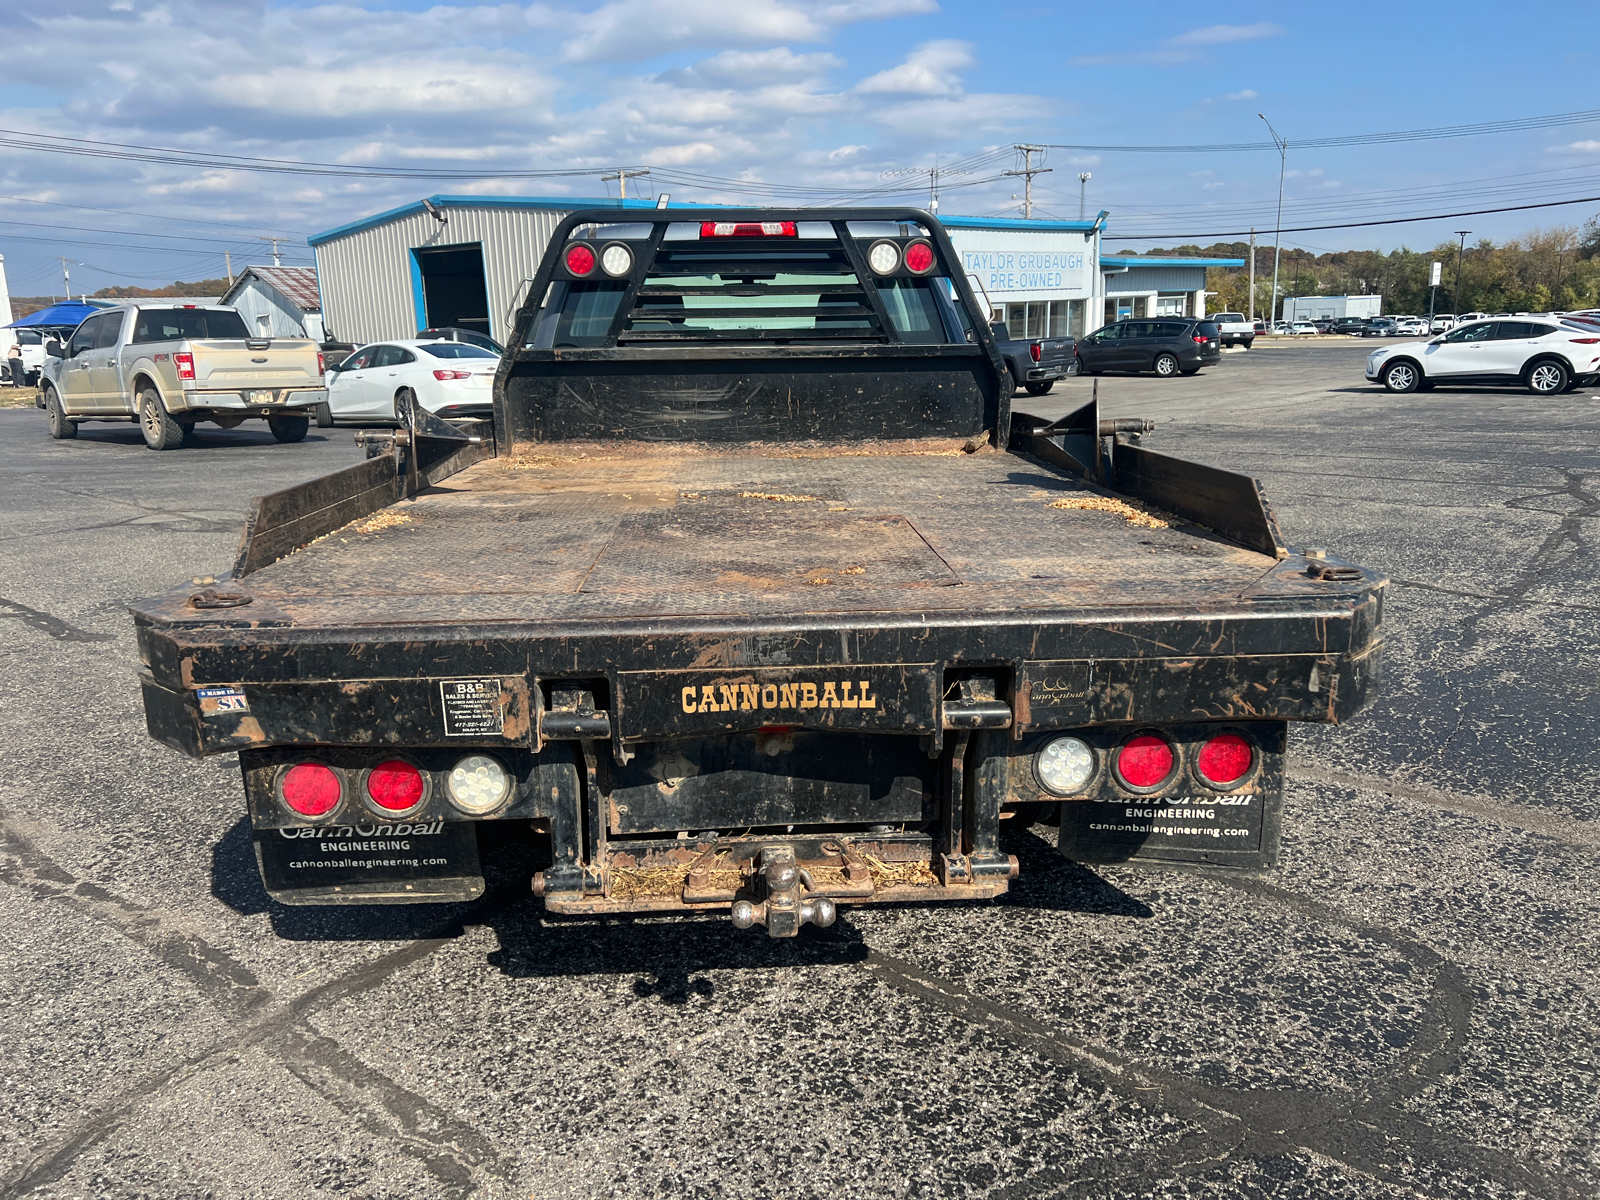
{"x": 1133, "y": 514}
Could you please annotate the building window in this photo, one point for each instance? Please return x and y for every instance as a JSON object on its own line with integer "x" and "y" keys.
{"x": 1066, "y": 318}
{"x": 1172, "y": 304}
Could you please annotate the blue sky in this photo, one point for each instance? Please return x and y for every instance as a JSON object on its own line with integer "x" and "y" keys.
{"x": 763, "y": 98}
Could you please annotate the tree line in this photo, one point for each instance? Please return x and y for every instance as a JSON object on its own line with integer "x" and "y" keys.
{"x": 1556, "y": 269}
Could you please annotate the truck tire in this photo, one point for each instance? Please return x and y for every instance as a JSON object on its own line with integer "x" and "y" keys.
{"x": 1402, "y": 376}
{"x": 289, "y": 428}
{"x": 60, "y": 427}
{"x": 1039, "y": 389}
{"x": 1547, "y": 377}
{"x": 1166, "y": 365}
{"x": 160, "y": 431}
{"x": 1248, "y": 342}
{"x": 324, "y": 416}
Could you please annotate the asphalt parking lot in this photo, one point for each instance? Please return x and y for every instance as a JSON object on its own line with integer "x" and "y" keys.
{"x": 1410, "y": 1006}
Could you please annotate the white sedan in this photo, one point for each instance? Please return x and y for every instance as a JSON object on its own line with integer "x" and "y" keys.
{"x": 449, "y": 379}
{"x": 1302, "y": 328}
{"x": 1545, "y": 356}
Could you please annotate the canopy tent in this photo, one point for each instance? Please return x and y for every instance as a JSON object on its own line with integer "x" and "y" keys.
{"x": 67, "y": 315}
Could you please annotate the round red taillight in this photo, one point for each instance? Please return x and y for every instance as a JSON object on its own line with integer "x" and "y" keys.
{"x": 1145, "y": 761}
{"x": 311, "y": 789}
{"x": 919, "y": 258}
{"x": 579, "y": 258}
{"x": 395, "y": 786}
{"x": 1225, "y": 759}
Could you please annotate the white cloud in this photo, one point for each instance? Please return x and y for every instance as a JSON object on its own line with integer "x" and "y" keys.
{"x": 1584, "y": 147}
{"x": 629, "y": 30}
{"x": 753, "y": 68}
{"x": 397, "y": 84}
{"x": 929, "y": 70}
{"x": 1187, "y": 47}
{"x": 1246, "y": 94}
{"x": 1223, "y": 35}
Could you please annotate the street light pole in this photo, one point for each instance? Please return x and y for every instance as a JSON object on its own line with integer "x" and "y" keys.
{"x": 1461, "y": 255}
{"x": 1083, "y": 182}
{"x": 1277, "y": 252}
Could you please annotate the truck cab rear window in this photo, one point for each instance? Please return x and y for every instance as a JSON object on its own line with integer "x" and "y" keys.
{"x": 174, "y": 324}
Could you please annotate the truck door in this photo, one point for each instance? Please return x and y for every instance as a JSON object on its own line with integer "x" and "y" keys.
{"x": 105, "y": 365}
{"x": 72, "y": 381}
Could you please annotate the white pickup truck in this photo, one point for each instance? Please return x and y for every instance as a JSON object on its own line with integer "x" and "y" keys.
{"x": 168, "y": 366}
{"x": 1234, "y": 329}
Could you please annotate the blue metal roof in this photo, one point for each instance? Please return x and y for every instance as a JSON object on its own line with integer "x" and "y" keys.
{"x": 567, "y": 203}
{"x": 1134, "y": 260}
{"x": 575, "y": 202}
{"x": 1020, "y": 224}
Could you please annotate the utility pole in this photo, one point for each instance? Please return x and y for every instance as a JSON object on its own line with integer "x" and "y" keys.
{"x": 1028, "y": 172}
{"x": 66, "y": 279}
{"x": 1277, "y": 253}
{"x": 274, "y": 240}
{"x": 1461, "y": 256}
{"x": 622, "y": 176}
{"x": 1083, "y": 209}
{"x": 1252, "y": 273}
{"x": 227, "y": 260}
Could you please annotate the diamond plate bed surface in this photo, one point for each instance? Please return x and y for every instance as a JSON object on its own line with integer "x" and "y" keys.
{"x": 686, "y": 532}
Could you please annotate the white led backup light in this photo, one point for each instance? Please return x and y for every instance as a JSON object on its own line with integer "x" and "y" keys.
{"x": 478, "y": 784}
{"x": 1065, "y": 765}
{"x": 884, "y": 257}
{"x": 616, "y": 260}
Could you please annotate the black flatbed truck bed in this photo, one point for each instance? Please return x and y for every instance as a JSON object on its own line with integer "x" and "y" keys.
{"x": 774, "y": 674}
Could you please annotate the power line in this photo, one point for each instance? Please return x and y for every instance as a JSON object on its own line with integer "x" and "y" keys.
{"x": 1479, "y": 129}
{"x": 1476, "y": 212}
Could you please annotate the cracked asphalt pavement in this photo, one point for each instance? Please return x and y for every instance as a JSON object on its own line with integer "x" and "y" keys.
{"x": 1408, "y": 1007}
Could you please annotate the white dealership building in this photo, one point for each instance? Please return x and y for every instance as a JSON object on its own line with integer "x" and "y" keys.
{"x": 466, "y": 261}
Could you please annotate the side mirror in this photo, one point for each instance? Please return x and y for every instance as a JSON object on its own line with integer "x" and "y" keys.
{"x": 54, "y": 350}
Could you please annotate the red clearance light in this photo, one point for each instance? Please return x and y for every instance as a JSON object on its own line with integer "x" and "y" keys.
{"x": 579, "y": 258}
{"x": 452, "y": 374}
{"x": 185, "y": 365}
{"x": 311, "y": 789}
{"x": 1036, "y": 351}
{"x": 919, "y": 258}
{"x": 1145, "y": 761}
{"x": 395, "y": 786}
{"x": 748, "y": 229}
{"x": 1225, "y": 759}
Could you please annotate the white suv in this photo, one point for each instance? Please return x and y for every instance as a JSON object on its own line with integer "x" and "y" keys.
{"x": 1545, "y": 356}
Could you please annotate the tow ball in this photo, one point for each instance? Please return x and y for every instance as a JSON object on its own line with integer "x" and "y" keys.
{"x": 786, "y": 906}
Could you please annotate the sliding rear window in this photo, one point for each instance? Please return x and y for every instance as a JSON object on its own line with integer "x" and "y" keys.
{"x": 173, "y": 324}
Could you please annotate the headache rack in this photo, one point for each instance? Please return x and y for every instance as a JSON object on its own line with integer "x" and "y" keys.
{"x": 870, "y": 276}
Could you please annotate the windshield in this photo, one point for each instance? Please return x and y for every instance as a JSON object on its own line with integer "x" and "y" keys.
{"x": 173, "y": 324}
{"x": 457, "y": 350}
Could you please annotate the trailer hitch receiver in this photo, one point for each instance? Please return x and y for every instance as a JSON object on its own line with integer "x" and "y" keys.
{"x": 786, "y": 906}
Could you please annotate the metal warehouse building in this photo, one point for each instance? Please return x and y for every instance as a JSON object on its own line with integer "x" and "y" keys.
{"x": 466, "y": 261}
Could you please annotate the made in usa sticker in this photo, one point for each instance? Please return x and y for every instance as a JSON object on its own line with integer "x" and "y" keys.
{"x": 221, "y": 700}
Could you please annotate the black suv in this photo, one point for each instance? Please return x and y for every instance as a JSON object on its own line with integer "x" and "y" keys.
{"x": 1165, "y": 345}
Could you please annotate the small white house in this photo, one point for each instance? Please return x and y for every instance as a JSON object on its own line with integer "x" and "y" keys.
{"x": 278, "y": 301}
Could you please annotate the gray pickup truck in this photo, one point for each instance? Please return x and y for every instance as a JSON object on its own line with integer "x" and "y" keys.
{"x": 1035, "y": 363}
{"x": 168, "y": 366}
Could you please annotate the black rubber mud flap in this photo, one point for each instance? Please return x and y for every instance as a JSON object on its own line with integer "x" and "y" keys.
{"x": 1187, "y": 827}
{"x": 375, "y": 862}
